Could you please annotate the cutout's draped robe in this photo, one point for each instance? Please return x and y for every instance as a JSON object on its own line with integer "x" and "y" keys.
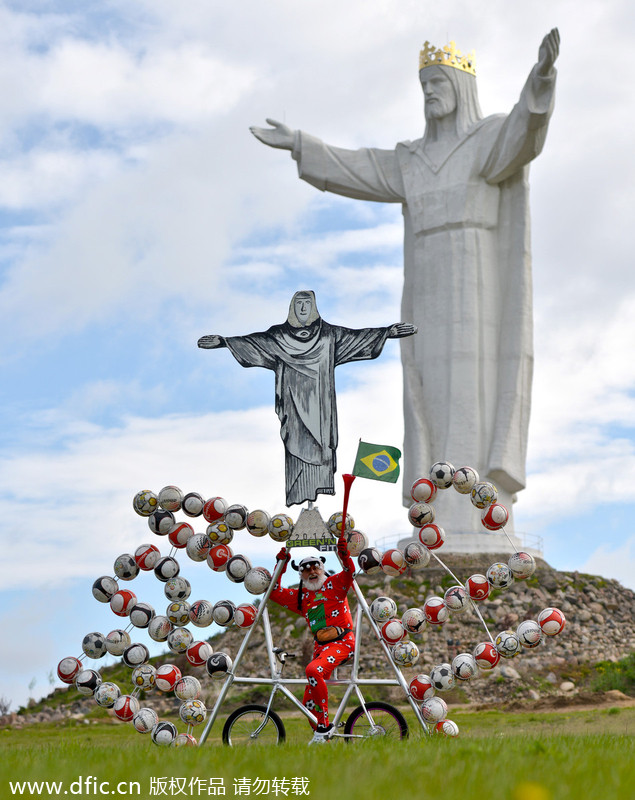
{"x": 305, "y": 393}
{"x": 467, "y": 282}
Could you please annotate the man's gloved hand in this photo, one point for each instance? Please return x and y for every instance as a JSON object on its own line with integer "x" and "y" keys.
{"x": 283, "y": 555}
{"x": 342, "y": 546}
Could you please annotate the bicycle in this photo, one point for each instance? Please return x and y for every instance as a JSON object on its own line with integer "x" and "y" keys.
{"x": 256, "y": 724}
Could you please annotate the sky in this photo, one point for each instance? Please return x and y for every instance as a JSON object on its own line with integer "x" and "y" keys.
{"x": 137, "y": 212}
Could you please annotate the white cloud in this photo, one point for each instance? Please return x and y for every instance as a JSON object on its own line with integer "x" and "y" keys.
{"x": 617, "y": 562}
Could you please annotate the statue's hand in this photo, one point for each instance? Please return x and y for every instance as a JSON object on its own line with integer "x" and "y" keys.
{"x": 401, "y": 329}
{"x": 279, "y": 135}
{"x": 211, "y": 342}
{"x": 548, "y": 52}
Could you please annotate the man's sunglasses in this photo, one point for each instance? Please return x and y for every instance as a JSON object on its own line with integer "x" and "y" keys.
{"x": 310, "y": 565}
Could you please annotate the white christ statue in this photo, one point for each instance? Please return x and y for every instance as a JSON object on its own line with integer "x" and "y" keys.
{"x": 467, "y": 267}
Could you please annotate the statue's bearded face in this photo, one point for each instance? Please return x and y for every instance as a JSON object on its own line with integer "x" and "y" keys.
{"x": 438, "y": 92}
{"x": 303, "y": 307}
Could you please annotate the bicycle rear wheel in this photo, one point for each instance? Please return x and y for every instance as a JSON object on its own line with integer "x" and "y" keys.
{"x": 387, "y": 721}
{"x": 242, "y": 724}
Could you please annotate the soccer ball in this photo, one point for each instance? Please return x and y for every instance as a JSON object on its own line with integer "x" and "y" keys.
{"x": 257, "y": 522}
{"x": 393, "y": 631}
{"x": 193, "y": 712}
{"x": 87, "y": 681}
{"x": 161, "y": 521}
{"x": 280, "y": 527}
{"x": 420, "y": 514}
{"x": 198, "y": 547}
{"x": 218, "y": 665}
{"x": 495, "y": 517}
{"x": 416, "y": 556}
{"x": 170, "y": 498}
{"x": 456, "y": 599}
{"x": 393, "y": 562}
{"x": 185, "y": 740}
{"x": 421, "y": 687}
{"x": 141, "y": 615}
{"x": 166, "y": 678}
{"x": 552, "y": 621}
{"x": 126, "y": 567}
{"x": 477, "y": 587}
{"x": 236, "y": 517}
{"x": 201, "y": 613}
{"x": 125, "y": 707}
{"x": 106, "y": 694}
{"x": 144, "y": 720}
{"x": 245, "y": 615}
{"x": 446, "y": 727}
{"x": 144, "y": 676}
{"x": 483, "y": 494}
{"x": 166, "y": 568}
{"x": 159, "y": 628}
{"x": 177, "y": 588}
{"x": 223, "y": 612}
{"x": 198, "y": 653}
{"x": 192, "y": 504}
{"x": 499, "y": 576}
{"x": 508, "y": 644}
{"x": 104, "y": 588}
{"x": 413, "y": 620}
{"x": 219, "y": 533}
{"x": 94, "y": 645}
{"x": 180, "y": 533}
{"x": 369, "y": 561}
{"x": 441, "y": 474}
{"x": 135, "y": 654}
{"x": 464, "y": 666}
{"x": 257, "y": 580}
{"x": 146, "y": 556}
{"x": 145, "y": 502}
{"x": 357, "y": 541}
{"x": 383, "y": 608}
{"x": 529, "y": 633}
{"x": 464, "y": 479}
{"x": 442, "y": 677}
{"x": 435, "y": 611}
{"x": 188, "y": 688}
{"x": 237, "y": 567}
{"x": 117, "y": 641}
{"x": 335, "y": 523}
{"x": 214, "y": 509}
{"x": 423, "y": 491}
{"x": 122, "y": 602}
{"x": 218, "y": 557}
{"x": 434, "y": 709}
{"x": 178, "y": 612}
{"x": 405, "y": 653}
{"x": 68, "y": 669}
{"x": 432, "y": 536}
{"x": 522, "y": 565}
{"x": 486, "y": 655}
{"x": 179, "y": 640}
{"x": 164, "y": 734}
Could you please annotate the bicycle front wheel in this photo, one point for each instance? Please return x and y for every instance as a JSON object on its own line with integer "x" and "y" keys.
{"x": 244, "y": 726}
{"x": 386, "y": 721}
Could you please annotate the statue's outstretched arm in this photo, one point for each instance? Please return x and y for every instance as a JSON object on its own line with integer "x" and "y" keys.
{"x": 548, "y": 52}
{"x": 401, "y": 329}
{"x": 211, "y": 342}
{"x": 279, "y": 135}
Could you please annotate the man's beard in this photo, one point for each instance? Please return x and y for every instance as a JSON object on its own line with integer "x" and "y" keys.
{"x": 314, "y": 584}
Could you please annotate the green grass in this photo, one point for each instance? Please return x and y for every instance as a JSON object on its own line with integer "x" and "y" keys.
{"x": 528, "y": 756}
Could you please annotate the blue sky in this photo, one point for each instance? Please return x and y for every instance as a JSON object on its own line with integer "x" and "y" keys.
{"x": 138, "y": 213}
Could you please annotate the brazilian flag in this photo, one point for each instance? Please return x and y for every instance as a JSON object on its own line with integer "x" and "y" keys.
{"x": 377, "y": 462}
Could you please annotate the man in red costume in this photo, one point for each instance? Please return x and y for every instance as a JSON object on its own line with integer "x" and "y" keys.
{"x": 322, "y": 601}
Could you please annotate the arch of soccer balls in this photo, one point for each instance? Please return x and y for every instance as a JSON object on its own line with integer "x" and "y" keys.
{"x": 213, "y": 548}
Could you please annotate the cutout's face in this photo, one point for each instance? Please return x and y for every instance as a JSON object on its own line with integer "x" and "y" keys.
{"x": 438, "y": 92}
{"x": 303, "y": 307}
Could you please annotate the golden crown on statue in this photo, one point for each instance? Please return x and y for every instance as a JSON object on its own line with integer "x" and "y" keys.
{"x": 449, "y": 56}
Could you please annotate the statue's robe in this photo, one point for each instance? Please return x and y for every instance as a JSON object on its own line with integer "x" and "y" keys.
{"x": 467, "y": 282}
{"x": 304, "y": 361}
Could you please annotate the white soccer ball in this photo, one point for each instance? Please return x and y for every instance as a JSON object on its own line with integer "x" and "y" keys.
{"x": 164, "y": 734}
{"x": 179, "y": 640}
{"x": 446, "y": 727}
{"x": 87, "y": 681}
{"x": 144, "y": 720}
{"x": 441, "y": 474}
{"x": 187, "y": 688}
{"x": 483, "y": 494}
{"x": 144, "y": 676}
{"x": 464, "y": 666}
{"x": 236, "y": 516}
{"x": 369, "y": 561}
{"x": 434, "y": 709}
{"x": 178, "y": 612}
{"x": 413, "y": 620}
{"x": 257, "y": 522}
{"x": 257, "y": 580}
{"x": 192, "y": 504}
{"x": 177, "y": 588}
{"x": 499, "y": 576}
{"x": 117, "y": 641}
{"x": 198, "y": 547}
{"x": 201, "y": 613}
{"x": 141, "y": 615}
{"x": 416, "y": 555}
{"x": 522, "y": 565}
{"x": 357, "y": 541}
{"x": 159, "y": 628}
{"x": 383, "y": 608}
{"x": 166, "y": 568}
{"x": 464, "y": 479}
{"x": 237, "y": 567}
{"x": 104, "y": 588}
{"x": 335, "y": 523}
{"x": 405, "y": 653}
{"x": 94, "y": 645}
{"x": 442, "y": 677}
{"x": 507, "y": 644}
{"x": 125, "y": 567}
{"x": 106, "y": 694}
{"x": 420, "y": 514}
{"x": 280, "y": 527}
{"x": 145, "y": 502}
{"x": 161, "y": 521}
{"x": 223, "y": 612}
{"x": 170, "y": 498}
{"x": 137, "y": 653}
{"x": 219, "y": 533}
{"x": 456, "y": 599}
{"x": 193, "y": 712}
{"x": 529, "y": 633}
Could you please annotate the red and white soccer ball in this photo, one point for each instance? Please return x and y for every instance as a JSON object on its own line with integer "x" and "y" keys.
{"x": 464, "y": 666}
{"x": 441, "y": 474}
{"x": 423, "y": 491}
{"x": 447, "y": 727}
{"x": 435, "y": 611}
{"x": 383, "y": 608}
{"x": 122, "y": 602}
{"x": 68, "y": 669}
{"x": 405, "y": 653}
{"x": 257, "y": 522}
{"x": 529, "y": 633}
{"x": 125, "y": 707}
{"x": 551, "y": 621}
{"x": 495, "y": 517}
{"x": 185, "y": 740}
{"x": 180, "y": 533}
{"x": 167, "y": 677}
{"x": 245, "y": 615}
{"x": 486, "y": 655}
{"x": 508, "y": 644}
{"x": 218, "y": 557}
{"x": 146, "y": 556}
{"x": 432, "y": 536}
{"x": 214, "y": 509}
{"x": 416, "y": 555}
{"x": 477, "y": 587}
{"x": 456, "y": 599}
{"x": 393, "y": 562}
{"x": 434, "y": 709}
{"x": 420, "y": 514}
{"x": 464, "y": 479}
{"x": 198, "y": 653}
{"x": 413, "y": 620}
{"x": 522, "y": 565}
{"x": 421, "y": 687}
{"x": 393, "y": 631}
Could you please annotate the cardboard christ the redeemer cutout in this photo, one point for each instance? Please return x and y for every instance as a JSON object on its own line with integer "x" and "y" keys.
{"x": 303, "y": 352}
